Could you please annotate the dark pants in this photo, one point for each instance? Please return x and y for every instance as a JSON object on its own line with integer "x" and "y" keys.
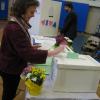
{"x": 10, "y": 84}
{"x": 72, "y": 36}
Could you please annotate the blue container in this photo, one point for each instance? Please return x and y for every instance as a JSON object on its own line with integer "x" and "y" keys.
{"x": 3, "y": 9}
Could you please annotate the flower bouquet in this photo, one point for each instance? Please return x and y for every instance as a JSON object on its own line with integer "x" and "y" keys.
{"x": 34, "y": 80}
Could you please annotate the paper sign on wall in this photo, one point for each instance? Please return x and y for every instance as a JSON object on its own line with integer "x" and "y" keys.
{"x": 48, "y": 23}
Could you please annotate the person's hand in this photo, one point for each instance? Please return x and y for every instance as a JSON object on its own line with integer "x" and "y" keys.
{"x": 64, "y": 42}
{"x": 57, "y": 50}
{"x": 36, "y": 46}
{"x": 62, "y": 46}
{"x": 60, "y": 40}
{"x": 28, "y": 68}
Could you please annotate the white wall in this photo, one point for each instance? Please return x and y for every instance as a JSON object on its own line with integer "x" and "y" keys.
{"x": 95, "y": 3}
{"x": 49, "y": 8}
{"x": 35, "y": 21}
{"x": 93, "y": 19}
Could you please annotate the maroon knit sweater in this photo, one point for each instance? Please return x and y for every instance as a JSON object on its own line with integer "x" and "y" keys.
{"x": 16, "y": 50}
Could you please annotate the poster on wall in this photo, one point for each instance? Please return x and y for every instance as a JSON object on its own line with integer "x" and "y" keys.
{"x": 49, "y": 21}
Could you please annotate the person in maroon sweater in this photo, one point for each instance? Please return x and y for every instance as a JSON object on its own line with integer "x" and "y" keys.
{"x": 16, "y": 49}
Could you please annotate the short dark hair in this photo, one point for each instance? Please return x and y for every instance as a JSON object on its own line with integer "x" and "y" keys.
{"x": 69, "y": 4}
{"x": 20, "y": 6}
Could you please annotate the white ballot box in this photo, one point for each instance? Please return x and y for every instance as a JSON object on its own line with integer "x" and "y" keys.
{"x": 66, "y": 78}
{"x": 77, "y": 75}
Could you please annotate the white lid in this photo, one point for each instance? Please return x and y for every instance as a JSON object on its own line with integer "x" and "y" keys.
{"x": 83, "y": 62}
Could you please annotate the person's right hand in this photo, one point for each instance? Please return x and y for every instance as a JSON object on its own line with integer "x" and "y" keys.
{"x": 60, "y": 40}
{"x": 36, "y": 46}
{"x": 57, "y": 50}
{"x": 64, "y": 42}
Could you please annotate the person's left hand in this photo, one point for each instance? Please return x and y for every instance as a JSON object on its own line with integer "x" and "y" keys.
{"x": 28, "y": 68}
{"x": 36, "y": 46}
